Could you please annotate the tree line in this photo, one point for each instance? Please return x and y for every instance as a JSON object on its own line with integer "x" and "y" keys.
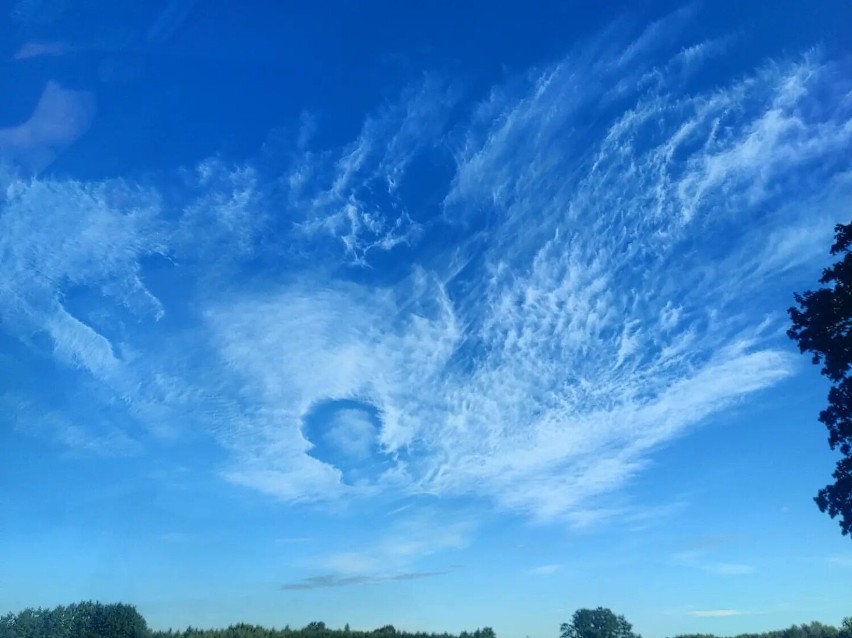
{"x": 811, "y": 630}
{"x": 97, "y": 620}
{"x": 311, "y": 630}
{"x": 603, "y": 623}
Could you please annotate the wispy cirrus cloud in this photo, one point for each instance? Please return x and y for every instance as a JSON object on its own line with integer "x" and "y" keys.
{"x": 410, "y": 538}
{"x": 698, "y": 559}
{"x": 840, "y": 560}
{"x": 319, "y": 582}
{"x": 545, "y": 570}
{"x": 570, "y": 299}
{"x": 37, "y": 49}
{"x": 60, "y": 117}
{"x": 352, "y": 194}
{"x": 58, "y": 236}
{"x": 352, "y": 432}
{"x": 715, "y": 613}
{"x": 93, "y": 435}
{"x": 73, "y": 288}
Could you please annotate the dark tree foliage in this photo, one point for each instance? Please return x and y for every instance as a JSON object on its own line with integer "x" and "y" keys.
{"x": 94, "y": 620}
{"x": 822, "y": 326}
{"x": 82, "y": 620}
{"x": 812, "y": 630}
{"x": 597, "y": 623}
{"x": 312, "y": 630}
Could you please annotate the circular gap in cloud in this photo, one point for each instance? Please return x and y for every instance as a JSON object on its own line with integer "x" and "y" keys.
{"x": 344, "y": 433}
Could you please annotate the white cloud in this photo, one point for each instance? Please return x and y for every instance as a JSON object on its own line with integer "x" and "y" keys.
{"x": 56, "y": 236}
{"x": 697, "y": 559}
{"x": 351, "y": 194}
{"x": 408, "y": 540}
{"x": 226, "y": 218}
{"x": 696, "y": 54}
{"x": 840, "y": 560}
{"x": 715, "y": 613}
{"x": 93, "y": 435}
{"x": 545, "y": 570}
{"x": 577, "y": 299}
{"x": 603, "y": 313}
{"x": 170, "y": 19}
{"x": 37, "y": 49}
{"x": 72, "y": 256}
{"x": 303, "y": 346}
{"x": 353, "y": 433}
{"x": 60, "y": 117}
{"x": 729, "y": 569}
{"x": 326, "y": 580}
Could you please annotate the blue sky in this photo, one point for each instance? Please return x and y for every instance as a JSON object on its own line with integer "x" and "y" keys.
{"x": 443, "y": 315}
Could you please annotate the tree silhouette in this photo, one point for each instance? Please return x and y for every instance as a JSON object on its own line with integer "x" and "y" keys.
{"x": 597, "y": 623}
{"x": 822, "y": 326}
